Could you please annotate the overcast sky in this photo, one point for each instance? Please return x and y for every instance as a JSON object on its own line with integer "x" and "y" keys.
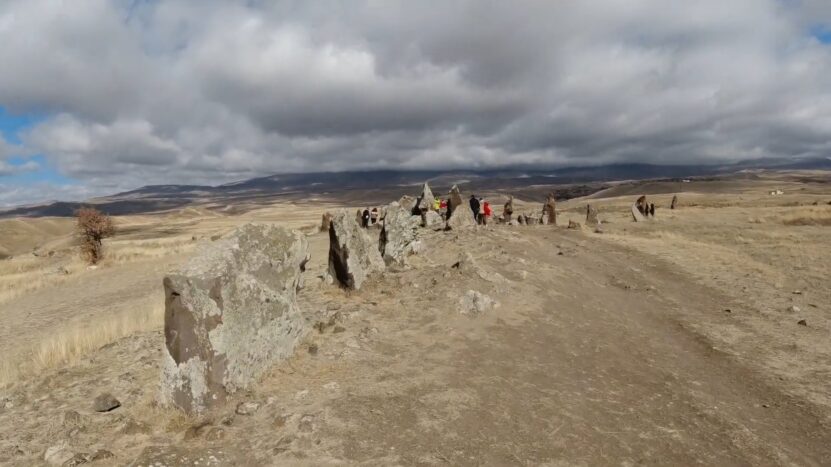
{"x": 98, "y": 96}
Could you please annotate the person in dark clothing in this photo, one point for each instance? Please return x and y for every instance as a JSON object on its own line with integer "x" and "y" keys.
{"x": 365, "y": 219}
{"x": 474, "y": 206}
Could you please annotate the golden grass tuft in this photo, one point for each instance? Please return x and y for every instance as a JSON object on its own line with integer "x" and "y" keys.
{"x": 70, "y": 345}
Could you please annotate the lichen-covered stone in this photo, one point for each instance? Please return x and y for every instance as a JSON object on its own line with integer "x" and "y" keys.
{"x": 230, "y": 313}
{"x": 353, "y": 255}
{"x": 399, "y": 233}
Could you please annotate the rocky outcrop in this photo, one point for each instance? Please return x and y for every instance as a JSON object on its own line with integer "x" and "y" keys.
{"x": 408, "y": 203}
{"x": 426, "y": 200}
{"x": 591, "y": 215}
{"x": 550, "y": 208}
{"x": 353, "y": 255}
{"x": 398, "y": 235}
{"x": 230, "y": 313}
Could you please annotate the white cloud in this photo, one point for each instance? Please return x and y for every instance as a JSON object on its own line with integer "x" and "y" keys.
{"x": 209, "y": 91}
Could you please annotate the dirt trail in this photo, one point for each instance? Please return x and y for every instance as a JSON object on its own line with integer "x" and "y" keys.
{"x": 589, "y": 359}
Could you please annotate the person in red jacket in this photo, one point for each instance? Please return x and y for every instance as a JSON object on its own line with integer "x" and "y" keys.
{"x": 486, "y": 210}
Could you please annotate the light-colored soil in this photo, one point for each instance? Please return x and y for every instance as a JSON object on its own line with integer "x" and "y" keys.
{"x": 610, "y": 348}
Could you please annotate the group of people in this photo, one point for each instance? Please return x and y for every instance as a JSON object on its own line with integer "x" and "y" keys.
{"x": 369, "y": 217}
{"x": 481, "y": 210}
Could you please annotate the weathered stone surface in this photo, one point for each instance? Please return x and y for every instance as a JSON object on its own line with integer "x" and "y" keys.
{"x": 175, "y": 456}
{"x": 591, "y": 215}
{"x": 544, "y": 219}
{"x": 105, "y": 403}
{"x": 353, "y": 255}
{"x": 231, "y": 312}
{"x": 530, "y": 220}
{"x": 399, "y": 233}
{"x": 674, "y": 203}
{"x": 426, "y": 200}
{"x": 431, "y": 220}
{"x": 550, "y": 208}
{"x": 58, "y": 454}
{"x": 461, "y": 218}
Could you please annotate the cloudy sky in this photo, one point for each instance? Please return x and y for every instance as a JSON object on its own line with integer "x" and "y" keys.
{"x": 98, "y": 96}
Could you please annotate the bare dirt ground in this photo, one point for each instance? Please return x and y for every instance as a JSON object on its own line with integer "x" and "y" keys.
{"x": 612, "y": 348}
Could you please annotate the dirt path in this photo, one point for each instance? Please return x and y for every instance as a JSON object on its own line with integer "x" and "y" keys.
{"x": 589, "y": 359}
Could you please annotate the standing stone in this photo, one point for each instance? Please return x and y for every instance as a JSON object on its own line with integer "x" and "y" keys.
{"x": 591, "y": 215}
{"x": 530, "y": 220}
{"x": 550, "y": 208}
{"x": 544, "y": 219}
{"x": 461, "y": 218}
{"x": 426, "y": 200}
{"x": 508, "y": 210}
{"x": 398, "y": 235}
{"x": 230, "y": 313}
{"x": 652, "y": 209}
{"x": 639, "y": 209}
{"x": 674, "y": 203}
{"x": 325, "y": 221}
{"x": 520, "y": 219}
{"x": 353, "y": 256}
{"x": 455, "y": 199}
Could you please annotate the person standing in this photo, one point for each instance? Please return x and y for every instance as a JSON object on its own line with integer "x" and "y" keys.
{"x": 474, "y": 206}
{"x": 486, "y": 210}
{"x": 365, "y": 218}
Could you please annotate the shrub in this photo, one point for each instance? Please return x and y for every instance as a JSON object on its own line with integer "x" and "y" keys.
{"x": 93, "y": 227}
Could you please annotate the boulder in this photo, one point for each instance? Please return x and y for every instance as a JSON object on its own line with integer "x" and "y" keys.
{"x": 591, "y": 215}
{"x": 530, "y": 220}
{"x": 431, "y": 220}
{"x": 474, "y": 303}
{"x": 550, "y": 208}
{"x": 674, "y": 203}
{"x": 398, "y": 234}
{"x": 426, "y": 200}
{"x": 544, "y": 219}
{"x": 105, "y": 402}
{"x": 353, "y": 255}
{"x": 230, "y": 313}
{"x": 461, "y": 218}
{"x": 573, "y": 225}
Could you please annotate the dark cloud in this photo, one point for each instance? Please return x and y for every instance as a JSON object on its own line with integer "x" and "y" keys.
{"x": 207, "y": 91}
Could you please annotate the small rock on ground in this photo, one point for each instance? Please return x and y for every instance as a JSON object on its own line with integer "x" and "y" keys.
{"x": 247, "y": 408}
{"x": 105, "y": 402}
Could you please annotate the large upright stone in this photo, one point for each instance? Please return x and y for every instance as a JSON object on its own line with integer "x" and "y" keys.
{"x": 639, "y": 209}
{"x": 426, "y": 200}
{"x": 550, "y": 208}
{"x": 461, "y": 218}
{"x": 674, "y": 203}
{"x": 508, "y": 209}
{"x": 398, "y": 235}
{"x": 455, "y": 200}
{"x": 591, "y": 215}
{"x": 230, "y": 313}
{"x": 353, "y": 255}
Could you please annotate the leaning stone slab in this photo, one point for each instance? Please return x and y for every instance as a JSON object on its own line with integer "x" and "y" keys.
{"x": 353, "y": 255}
{"x": 591, "y": 215}
{"x": 426, "y": 200}
{"x": 230, "y": 313}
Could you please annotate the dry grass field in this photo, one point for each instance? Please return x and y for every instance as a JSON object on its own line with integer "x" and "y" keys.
{"x": 673, "y": 341}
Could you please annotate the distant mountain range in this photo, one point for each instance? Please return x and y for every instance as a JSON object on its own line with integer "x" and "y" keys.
{"x": 376, "y": 186}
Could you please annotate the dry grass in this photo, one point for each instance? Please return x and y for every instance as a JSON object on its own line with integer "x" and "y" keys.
{"x": 808, "y": 216}
{"x": 70, "y": 345}
{"x": 135, "y": 250}
{"x": 21, "y": 275}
